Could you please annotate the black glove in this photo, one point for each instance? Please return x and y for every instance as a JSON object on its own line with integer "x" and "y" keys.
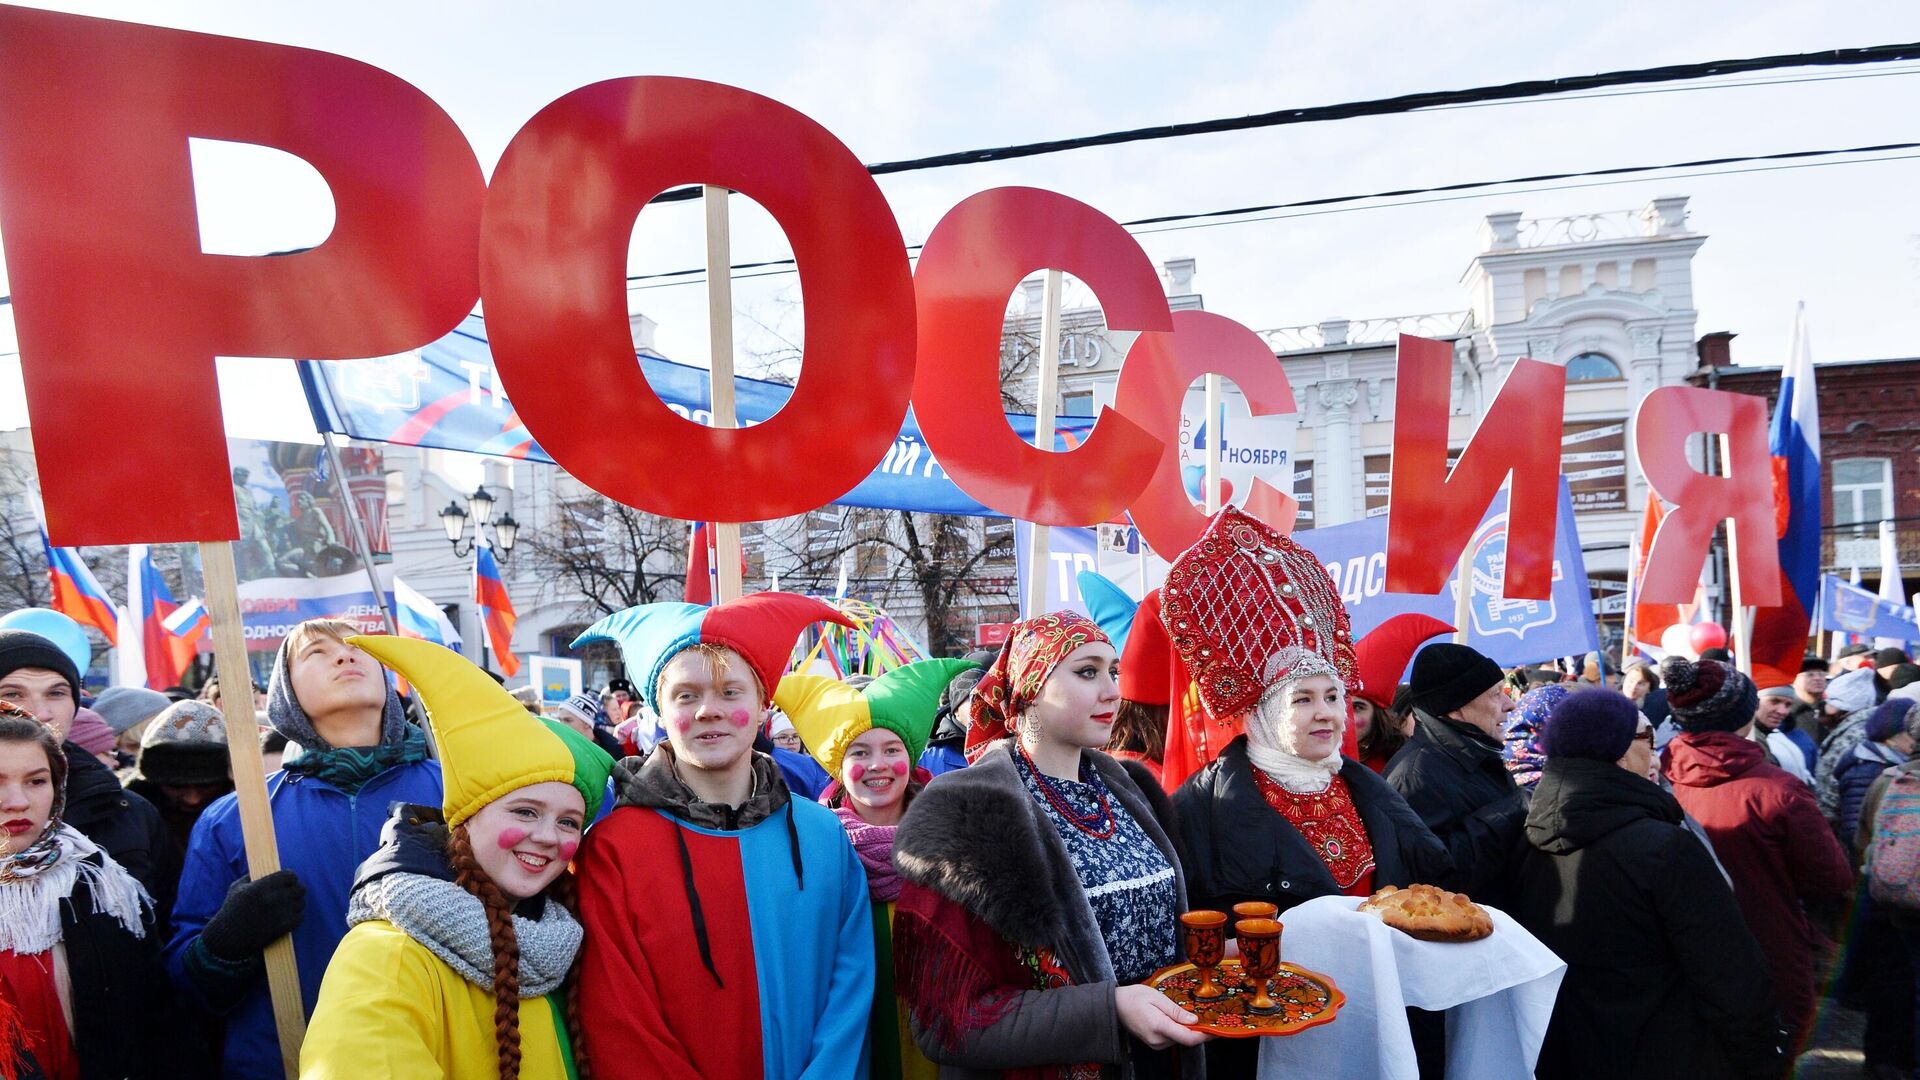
{"x": 254, "y": 914}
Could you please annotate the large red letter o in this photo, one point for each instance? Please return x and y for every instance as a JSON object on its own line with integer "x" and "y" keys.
{"x": 553, "y": 252}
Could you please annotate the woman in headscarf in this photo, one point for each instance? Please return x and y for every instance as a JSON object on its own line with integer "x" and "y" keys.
{"x": 1281, "y": 815}
{"x": 1039, "y": 885}
{"x": 76, "y": 941}
{"x": 462, "y": 934}
{"x": 868, "y": 738}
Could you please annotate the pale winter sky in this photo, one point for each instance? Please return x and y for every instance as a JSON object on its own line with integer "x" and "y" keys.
{"x": 908, "y": 78}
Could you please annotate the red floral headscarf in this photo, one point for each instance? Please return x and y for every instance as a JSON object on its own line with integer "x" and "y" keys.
{"x": 1032, "y": 650}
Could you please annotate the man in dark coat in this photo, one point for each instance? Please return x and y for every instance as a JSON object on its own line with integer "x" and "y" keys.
{"x": 1764, "y": 825}
{"x": 1239, "y": 848}
{"x": 36, "y": 675}
{"x": 1451, "y": 772}
{"x": 1663, "y": 977}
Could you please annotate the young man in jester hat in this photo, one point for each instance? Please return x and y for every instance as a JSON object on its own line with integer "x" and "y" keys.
{"x": 728, "y": 927}
{"x": 868, "y": 741}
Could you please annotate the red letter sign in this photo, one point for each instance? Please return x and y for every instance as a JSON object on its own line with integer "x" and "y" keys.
{"x": 1154, "y": 380}
{"x": 553, "y": 271}
{"x": 1661, "y": 427}
{"x": 1432, "y": 514}
{"x": 968, "y": 268}
{"x": 120, "y": 314}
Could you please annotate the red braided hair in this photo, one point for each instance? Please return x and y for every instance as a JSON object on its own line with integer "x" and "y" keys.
{"x": 506, "y": 948}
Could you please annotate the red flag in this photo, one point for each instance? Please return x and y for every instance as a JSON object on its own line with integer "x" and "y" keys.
{"x": 699, "y": 575}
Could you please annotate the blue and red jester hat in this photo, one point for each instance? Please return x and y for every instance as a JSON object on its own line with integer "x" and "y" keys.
{"x": 761, "y": 627}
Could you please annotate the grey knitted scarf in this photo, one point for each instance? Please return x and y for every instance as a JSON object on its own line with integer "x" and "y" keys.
{"x": 452, "y": 923}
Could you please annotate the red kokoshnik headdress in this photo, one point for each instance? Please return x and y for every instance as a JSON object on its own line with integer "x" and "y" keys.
{"x": 1245, "y": 606}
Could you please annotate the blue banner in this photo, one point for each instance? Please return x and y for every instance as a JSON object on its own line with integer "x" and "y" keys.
{"x": 271, "y": 607}
{"x": 447, "y": 395}
{"x": 1070, "y": 550}
{"x": 1512, "y": 632}
{"x": 1850, "y": 609}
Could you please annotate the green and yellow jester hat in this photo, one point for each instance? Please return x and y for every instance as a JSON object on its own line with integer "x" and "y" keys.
{"x": 490, "y": 745}
{"x": 829, "y": 714}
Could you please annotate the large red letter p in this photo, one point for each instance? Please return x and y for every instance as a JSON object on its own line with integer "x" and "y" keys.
{"x": 119, "y": 312}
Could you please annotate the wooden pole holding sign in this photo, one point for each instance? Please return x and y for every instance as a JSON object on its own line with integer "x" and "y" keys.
{"x": 1463, "y": 596}
{"x": 1742, "y": 629}
{"x": 250, "y": 782}
{"x": 726, "y": 534}
{"x": 1039, "y": 557}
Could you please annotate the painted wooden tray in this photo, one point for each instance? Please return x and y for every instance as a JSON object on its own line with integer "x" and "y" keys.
{"x": 1306, "y": 999}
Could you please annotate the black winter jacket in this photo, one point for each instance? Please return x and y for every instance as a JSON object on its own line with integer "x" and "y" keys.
{"x": 125, "y": 825}
{"x": 1663, "y": 977}
{"x": 125, "y": 1023}
{"x": 1455, "y": 779}
{"x": 1239, "y": 848}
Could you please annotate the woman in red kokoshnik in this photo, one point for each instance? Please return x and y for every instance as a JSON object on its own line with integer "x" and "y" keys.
{"x": 1280, "y": 815}
{"x": 1039, "y": 883}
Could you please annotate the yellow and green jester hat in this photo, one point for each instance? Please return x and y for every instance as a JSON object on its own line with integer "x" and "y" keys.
{"x": 829, "y": 714}
{"x": 490, "y": 745}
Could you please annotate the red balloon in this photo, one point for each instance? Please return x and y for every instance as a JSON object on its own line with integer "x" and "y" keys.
{"x": 1707, "y": 635}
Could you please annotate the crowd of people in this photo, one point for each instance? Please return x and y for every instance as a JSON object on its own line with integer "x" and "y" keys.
{"x": 963, "y": 867}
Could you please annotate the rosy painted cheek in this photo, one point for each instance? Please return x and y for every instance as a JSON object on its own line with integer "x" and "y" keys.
{"x": 856, "y": 772}
{"x": 683, "y": 724}
{"x": 740, "y": 718}
{"x": 510, "y": 838}
{"x": 899, "y": 768}
{"x": 567, "y": 848}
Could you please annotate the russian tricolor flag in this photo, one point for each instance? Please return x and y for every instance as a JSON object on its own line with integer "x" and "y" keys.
{"x": 496, "y": 608}
{"x": 189, "y": 621}
{"x": 419, "y": 617}
{"x": 1780, "y": 634}
{"x": 165, "y": 653}
{"x": 75, "y": 592}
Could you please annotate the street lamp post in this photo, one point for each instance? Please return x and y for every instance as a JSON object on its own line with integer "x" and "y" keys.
{"x": 479, "y": 508}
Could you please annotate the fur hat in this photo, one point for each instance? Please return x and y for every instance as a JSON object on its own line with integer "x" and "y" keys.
{"x": 1595, "y": 724}
{"x": 1709, "y": 695}
{"x": 1447, "y": 675}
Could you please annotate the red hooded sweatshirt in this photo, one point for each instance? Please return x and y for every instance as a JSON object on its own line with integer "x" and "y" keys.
{"x": 1769, "y": 834}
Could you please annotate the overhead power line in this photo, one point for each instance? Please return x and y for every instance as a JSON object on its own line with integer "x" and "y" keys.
{"x": 1403, "y": 103}
{"x": 1201, "y": 219}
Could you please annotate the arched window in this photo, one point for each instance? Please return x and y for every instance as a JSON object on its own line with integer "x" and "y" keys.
{"x": 1592, "y": 367}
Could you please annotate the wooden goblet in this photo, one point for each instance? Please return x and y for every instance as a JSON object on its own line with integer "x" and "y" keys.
{"x": 1255, "y": 909}
{"x": 1204, "y": 935}
{"x": 1259, "y": 958}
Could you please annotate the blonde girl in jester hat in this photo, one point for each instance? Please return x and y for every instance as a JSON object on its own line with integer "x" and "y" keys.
{"x": 462, "y": 934}
{"x": 869, "y": 740}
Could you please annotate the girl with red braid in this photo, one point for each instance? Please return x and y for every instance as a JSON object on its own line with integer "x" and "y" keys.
{"x": 462, "y": 928}
{"x": 1039, "y": 885}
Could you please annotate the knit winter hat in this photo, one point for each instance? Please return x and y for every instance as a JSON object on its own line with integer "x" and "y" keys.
{"x": 490, "y": 745}
{"x": 1709, "y": 695}
{"x": 185, "y": 745}
{"x": 1889, "y": 718}
{"x": 1851, "y": 692}
{"x": 1595, "y": 724}
{"x": 1447, "y": 675}
{"x": 582, "y": 706}
{"x": 21, "y": 649}
{"x": 90, "y": 733}
{"x": 829, "y": 714}
{"x": 762, "y": 628}
{"x": 123, "y": 707}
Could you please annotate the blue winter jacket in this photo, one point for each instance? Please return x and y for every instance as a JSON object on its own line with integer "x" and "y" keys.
{"x": 323, "y": 835}
{"x": 1854, "y": 775}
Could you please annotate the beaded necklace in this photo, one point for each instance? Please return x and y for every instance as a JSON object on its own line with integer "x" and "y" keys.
{"x": 1100, "y": 824}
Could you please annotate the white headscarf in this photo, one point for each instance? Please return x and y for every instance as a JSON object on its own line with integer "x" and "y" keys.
{"x": 1271, "y": 740}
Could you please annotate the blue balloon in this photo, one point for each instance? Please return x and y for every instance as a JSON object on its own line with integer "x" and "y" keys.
{"x": 55, "y": 627}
